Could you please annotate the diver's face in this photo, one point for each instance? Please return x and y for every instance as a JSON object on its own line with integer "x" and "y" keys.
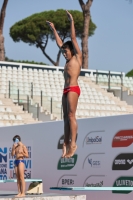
{"x": 67, "y": 53}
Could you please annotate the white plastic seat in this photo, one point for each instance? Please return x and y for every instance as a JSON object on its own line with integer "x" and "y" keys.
{"x": 80, "y": 113}
{"x": 38, "y": 93}
{"x": 108, "y": 114}
{"x": 14, "y": 69}
{"x": 12, "y": 117}
{"x": 8, "y": 124}
{"x": 5, "y": 117}
{"x": 103, "y": 108}
{"x": 54, "y": 98}
{"x": 87, "y": 107}
{"x": 3, "y": 91}
{"x": 14, "y": 92}
{"x": 92, "y": 101}
{"x": 82, "y": 106}
{"x": 8, "y": 110}
{"x": 103, "y": 114}
{"x": 92, "y": 114}
{"x": 50, "y": 71}
{"x": 92, "y": 107}
{"x": 2, "y": 124}
{"x": 98, "y": 108}
{"x": 102, "y": 102}
{"x": 98, "y": 102}
{"x": 108, "y": 108}
{"x": 45, "y": 71}
{"x": 118, "y": 108}
{"x": 9, "y": 68}
{"x": 87, "y": 74}
{"x": 123, "y": 108}
{"x": 2, "y": 109}
{"x": 86, "y": 114}
{"x": 87, "y": 100}
{"x": 112, "y": 102}
{"x": 113, "y": 108}
{"x": 108, "y": 102}
{"x": 97, "y": 114}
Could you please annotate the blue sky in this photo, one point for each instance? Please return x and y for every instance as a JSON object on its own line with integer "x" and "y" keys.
{"x": 111, "y": 48}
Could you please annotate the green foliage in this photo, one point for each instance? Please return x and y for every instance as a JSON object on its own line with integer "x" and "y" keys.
{"x": 33, "y": 29}
{"x": 130, "y": 73}
{"x": 25, "y": 61}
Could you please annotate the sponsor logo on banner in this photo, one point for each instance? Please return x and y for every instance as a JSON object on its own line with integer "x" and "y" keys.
{"x": 3, "y": 163}
{"x": 93, "y": 160}
{"x": 67, "y": 163}
{"x": 94, "y": 181}
{"x": 123, "y": 181}
{"x": 123, "y": 138}
{"x": 67, "y": 180}
{"x": 94, "y": 163}
{"x": 61, "y": 141}
{"x": 123, "y": 161}
{"x": 94, "y": 140}
{"x": 93, "y": 137}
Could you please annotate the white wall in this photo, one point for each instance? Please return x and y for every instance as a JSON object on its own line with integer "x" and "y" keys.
{"x": 43, "y": 139}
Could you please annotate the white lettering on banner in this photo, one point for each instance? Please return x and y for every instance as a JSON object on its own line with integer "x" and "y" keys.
{"x": 120, "y": 162}
{"x": 67, "y": 160}
{"x": 121, "y": 138}
{"x": 124, "y": 183}
{"x": 62, "y": 141}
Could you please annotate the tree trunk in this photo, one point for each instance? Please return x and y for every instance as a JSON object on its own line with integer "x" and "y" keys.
{"x": 84, "y": 43}
{"x": 2, "y": 17}
{"x": 86, "y": 14}
{"x": 2, "y": 49}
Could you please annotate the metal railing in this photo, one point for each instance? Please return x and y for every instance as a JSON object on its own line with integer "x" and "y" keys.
{"x": 50, "y": 105}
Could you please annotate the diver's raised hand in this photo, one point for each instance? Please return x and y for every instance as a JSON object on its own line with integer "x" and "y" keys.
{"x": 70, "y": 17}
{"x": 51, "y": 25}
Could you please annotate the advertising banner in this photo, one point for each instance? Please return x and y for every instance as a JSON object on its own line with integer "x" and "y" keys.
{"x": 104, "y": 157}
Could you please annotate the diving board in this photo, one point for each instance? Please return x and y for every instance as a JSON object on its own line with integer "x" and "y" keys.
{"x": 93, "y": 188}
{"x": 36, "y": 186}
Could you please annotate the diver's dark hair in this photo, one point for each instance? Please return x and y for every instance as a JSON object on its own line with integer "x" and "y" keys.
{"x": 16, "y": 136}
{"x": 68, "y": 44}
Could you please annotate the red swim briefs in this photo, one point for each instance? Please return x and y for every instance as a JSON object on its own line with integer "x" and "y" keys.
{"x": 72, "y": 89}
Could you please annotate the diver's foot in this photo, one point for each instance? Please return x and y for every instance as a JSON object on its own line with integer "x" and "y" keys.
{"x": 22, "y": 195}
{"x": 64, "y": 149}
{"x": 71, "y": 151}
{"x": 18, "y": 195}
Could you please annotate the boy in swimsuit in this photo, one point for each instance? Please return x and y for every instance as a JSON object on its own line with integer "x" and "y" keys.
{"x": 20, "y": 151}
{"x": 71, "y": 92}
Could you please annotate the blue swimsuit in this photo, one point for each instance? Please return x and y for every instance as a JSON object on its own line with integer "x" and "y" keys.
{"x": 16, "y": 162}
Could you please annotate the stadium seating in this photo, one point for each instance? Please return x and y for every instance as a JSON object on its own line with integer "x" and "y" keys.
{"x": 12, "y": 114}
{"x": 94, "y": 101}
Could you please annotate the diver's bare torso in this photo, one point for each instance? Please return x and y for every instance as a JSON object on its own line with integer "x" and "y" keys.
{"x": 71, "y": 72}
{"x": 19, "y": 152}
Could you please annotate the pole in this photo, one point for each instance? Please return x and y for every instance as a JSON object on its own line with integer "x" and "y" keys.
{"x": 18, "y": 96}
{"x": 41, "y": 99}
{"x": 51, "y": 106}
{"x": 121, "y": 86}
{"x": 96, "y": 76}
{"x": 28, "y": 103}
{"x": 9, "y": 90}
{"x": 109, "y": 82}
